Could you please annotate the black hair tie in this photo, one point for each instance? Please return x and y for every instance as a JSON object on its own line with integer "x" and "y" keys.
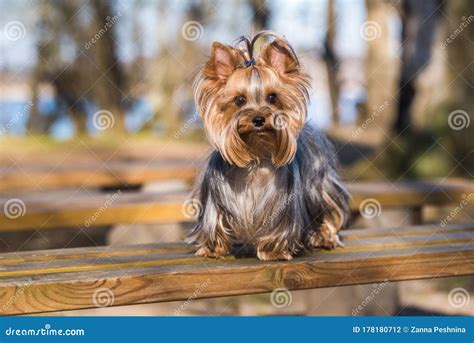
{"x": 249, "y": 63}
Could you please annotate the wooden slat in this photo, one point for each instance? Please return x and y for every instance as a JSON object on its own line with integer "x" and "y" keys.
{"x": 156, "y": 248}
{"x": 94, "y": 175}
{"x": 96, "y": 209}
{"x": 67, "y": 279}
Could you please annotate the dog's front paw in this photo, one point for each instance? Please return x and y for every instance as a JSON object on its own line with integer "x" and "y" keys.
{"x": 274, "y": 256}
{"x": 205, "y": 251}
{"x": 324, "y": 240}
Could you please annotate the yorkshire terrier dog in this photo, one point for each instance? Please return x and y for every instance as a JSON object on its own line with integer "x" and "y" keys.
{"x": 271, "y": 181}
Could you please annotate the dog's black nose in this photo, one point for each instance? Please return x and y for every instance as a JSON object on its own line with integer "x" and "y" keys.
{"x": 258, "y": 121}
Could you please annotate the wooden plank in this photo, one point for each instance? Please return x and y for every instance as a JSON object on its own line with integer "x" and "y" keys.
{"x": 150, "y": 280}
{"x": 94, "y": 175}
{"x": 98, "y": 256}
{"x": 169, "y": 248}
{"x": 96, "y": 209}
{"x": 153, "y": 258}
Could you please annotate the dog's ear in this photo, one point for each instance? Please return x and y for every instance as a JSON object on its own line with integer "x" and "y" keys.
{"x": 281, "y": 57}
{"x": 223, "y": 61}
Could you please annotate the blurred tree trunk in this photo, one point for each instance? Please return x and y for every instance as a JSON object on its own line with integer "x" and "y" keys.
{"x": 175, "y": 69}
{"x": 461, "y": 51}
{"x": 380, "y": 75}
{"x": 46, "y": 54}
{"x": 110, "y": 85}
{"x": 261, "y": 15}
{"x": 332, "y": 63}
{"x": 460, "y": 69}
{"x": 419, "y": 19}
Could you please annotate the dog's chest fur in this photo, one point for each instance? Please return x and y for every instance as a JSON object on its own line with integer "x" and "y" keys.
{"x": 253, "y": 195}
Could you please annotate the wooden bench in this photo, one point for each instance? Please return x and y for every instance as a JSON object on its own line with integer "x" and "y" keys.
{"x": 77, "y": 210}
{"x": 94, "y": 175}
{"x": 66, "y": 279}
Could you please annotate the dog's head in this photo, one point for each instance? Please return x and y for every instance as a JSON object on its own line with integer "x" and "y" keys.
{"x": 253, "y": 108}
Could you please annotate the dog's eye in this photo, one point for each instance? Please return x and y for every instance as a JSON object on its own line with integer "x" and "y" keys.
{"x": 240, "y": 100}
{"x": 272, "y": 98}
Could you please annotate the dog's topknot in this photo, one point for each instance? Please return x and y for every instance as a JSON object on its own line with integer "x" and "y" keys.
{"x": 248, "y": 49}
